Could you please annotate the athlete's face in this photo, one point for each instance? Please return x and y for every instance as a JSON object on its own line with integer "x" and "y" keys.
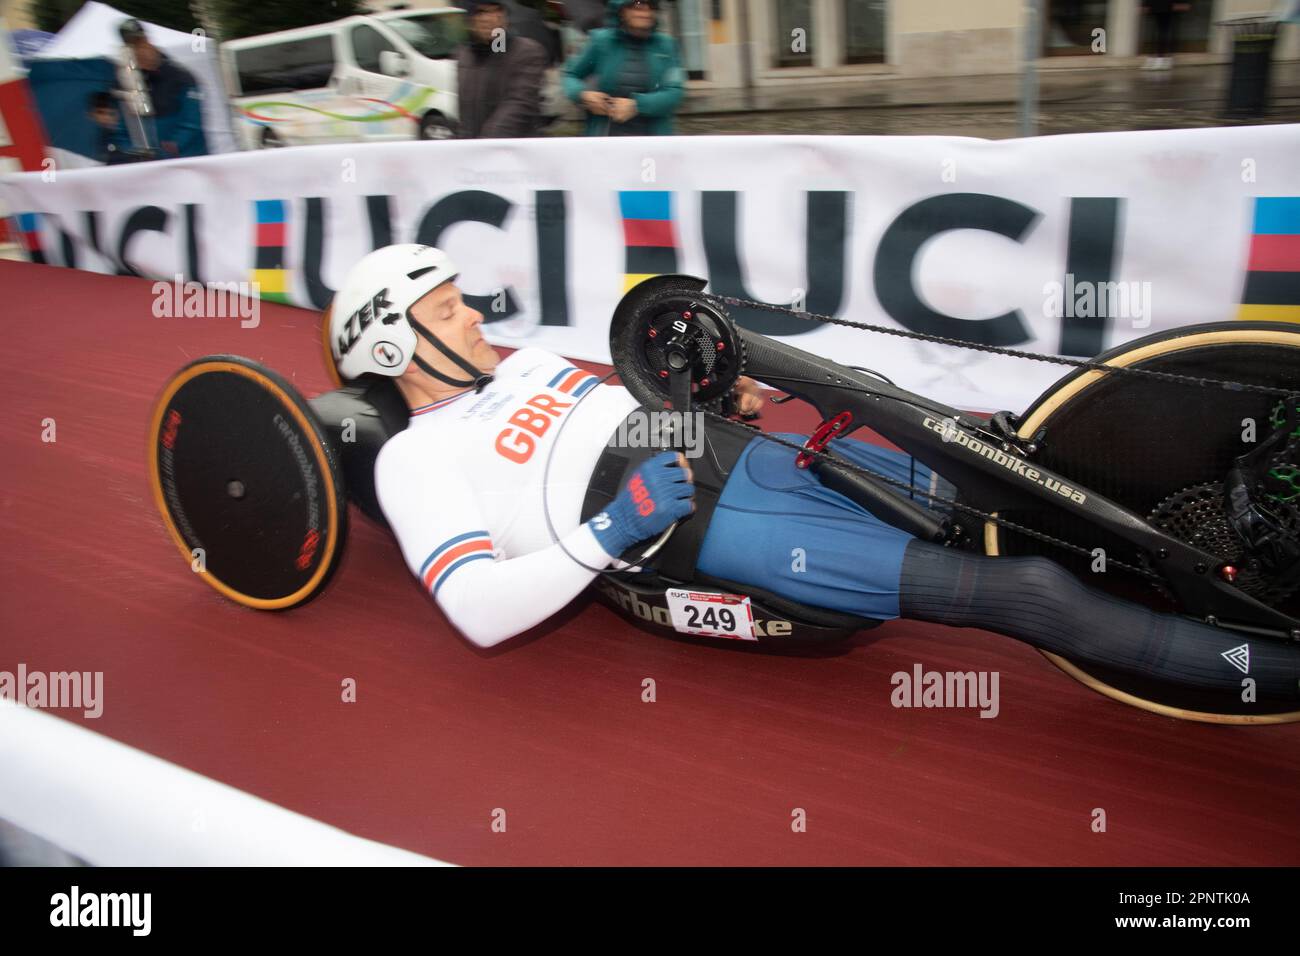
{"x": 444, "y": 313}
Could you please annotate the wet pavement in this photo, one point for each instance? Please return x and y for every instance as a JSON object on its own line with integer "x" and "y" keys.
{"x": 1071, "y": 101}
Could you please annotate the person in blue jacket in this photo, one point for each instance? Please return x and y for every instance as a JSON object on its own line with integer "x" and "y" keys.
{"x": 637, "y": 70}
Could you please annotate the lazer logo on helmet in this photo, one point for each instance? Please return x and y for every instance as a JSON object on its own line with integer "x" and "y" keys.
{"x": 386, "y": 354}
{"x": 361, "y": 319}
{"x": 518, "y": 441}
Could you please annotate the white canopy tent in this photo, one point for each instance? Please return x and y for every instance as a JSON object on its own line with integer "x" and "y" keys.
{"x": 93, "y": 32}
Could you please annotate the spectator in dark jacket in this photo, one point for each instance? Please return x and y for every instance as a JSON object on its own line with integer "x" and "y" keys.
{"x": 499, "y": 77}
{"x": 174, "y": 95}
{"x": 638, "y": 74}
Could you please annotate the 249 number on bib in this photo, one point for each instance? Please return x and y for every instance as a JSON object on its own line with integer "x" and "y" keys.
{"x": 709, "y": 614}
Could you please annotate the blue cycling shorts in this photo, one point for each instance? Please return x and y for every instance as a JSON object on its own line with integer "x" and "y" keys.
{"x": 777, "y": 527}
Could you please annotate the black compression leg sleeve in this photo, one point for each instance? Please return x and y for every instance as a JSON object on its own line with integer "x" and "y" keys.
{"x": 1039, "y": 602}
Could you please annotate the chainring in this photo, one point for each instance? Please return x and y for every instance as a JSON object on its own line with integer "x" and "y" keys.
{"x": 641, "y": 348}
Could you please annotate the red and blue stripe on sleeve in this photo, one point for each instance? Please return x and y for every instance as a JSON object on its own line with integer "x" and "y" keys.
{"x": 452, "y": 554}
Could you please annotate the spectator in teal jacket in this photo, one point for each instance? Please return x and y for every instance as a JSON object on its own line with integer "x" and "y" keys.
{"x": 638, "y": 74}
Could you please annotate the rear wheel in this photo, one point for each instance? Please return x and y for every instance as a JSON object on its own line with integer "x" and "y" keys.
{"x": 436, "y": 126}
{"x": 1163, "y": 449}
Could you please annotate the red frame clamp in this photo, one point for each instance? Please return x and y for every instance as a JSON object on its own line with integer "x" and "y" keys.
{"x": 819, "y": 439}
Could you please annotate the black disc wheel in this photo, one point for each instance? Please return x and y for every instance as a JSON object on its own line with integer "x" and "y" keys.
{"x": 1161, "y": 449}
{"x": 247, "y": 483}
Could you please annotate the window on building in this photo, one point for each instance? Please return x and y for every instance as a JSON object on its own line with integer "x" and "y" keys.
{"x": 1069, "y": 24}
{"x": 1191, "y": 29}
{"x": 792, "y": 38}
{"x": 864, "y": 31}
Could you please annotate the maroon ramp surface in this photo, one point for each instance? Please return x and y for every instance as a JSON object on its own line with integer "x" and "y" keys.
{"x": 551, "y": 727}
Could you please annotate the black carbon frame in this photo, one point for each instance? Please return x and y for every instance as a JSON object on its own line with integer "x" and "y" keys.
{"x": 932, "y": 433}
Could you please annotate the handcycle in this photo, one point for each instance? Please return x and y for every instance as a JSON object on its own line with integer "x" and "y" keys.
{"x": 1185, "y": 516}
{"x": 1170, "y": 464}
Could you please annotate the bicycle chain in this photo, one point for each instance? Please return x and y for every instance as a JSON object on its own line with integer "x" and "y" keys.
{"x": 992, "y": 349}
{"x": 997, "y": 349}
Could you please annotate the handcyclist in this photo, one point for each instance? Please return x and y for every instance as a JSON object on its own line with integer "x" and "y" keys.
{"x": 484, "y": 492}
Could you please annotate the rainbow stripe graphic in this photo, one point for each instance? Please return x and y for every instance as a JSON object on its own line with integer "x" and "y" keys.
{"x": 648, "y": 234}
{"x": 406, "y": 103}
{"x": 452, "y": 554}
{"x": 573, "y": 381}
{"x": 269, "y": 273}
{"x": 1272, "y": 289}
{"x": 29, "y": 229}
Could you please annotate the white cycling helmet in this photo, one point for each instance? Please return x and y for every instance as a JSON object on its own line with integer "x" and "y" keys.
{"x": 371, "y": 328}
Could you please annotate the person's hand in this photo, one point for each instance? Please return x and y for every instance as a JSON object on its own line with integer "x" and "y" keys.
{"x": 622, "y": 109}
{"x": 748, "y": 396}
{"x": 595, "y": 102}
{"x": 658, "y": 493}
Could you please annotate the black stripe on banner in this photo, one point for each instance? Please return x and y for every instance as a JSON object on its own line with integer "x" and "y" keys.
{"x": 1271, "y": 288}
{"x": 651, "y": 260}
{"x": 269, "y": 257}
{"x": 381, "y": 221}
{"x": 314, "y": 252}
{"x": 1090, "y": 258}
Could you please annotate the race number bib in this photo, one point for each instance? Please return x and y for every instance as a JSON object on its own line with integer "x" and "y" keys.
{"x": 708, "y": 614}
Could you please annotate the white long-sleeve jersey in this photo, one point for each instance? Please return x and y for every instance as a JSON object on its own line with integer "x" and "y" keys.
{"x": 463, "y": 490}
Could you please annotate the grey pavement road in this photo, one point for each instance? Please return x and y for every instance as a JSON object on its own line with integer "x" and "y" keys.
{"x": 1087, "y": 100}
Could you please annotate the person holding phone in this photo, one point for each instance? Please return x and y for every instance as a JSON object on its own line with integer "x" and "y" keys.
{"x": 637, "y": 70}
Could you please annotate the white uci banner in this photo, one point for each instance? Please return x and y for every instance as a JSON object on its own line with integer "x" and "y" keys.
{"x": 1066, "y": 244}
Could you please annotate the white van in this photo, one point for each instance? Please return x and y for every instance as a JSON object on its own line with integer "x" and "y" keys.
{"x": 360, "y": 78}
